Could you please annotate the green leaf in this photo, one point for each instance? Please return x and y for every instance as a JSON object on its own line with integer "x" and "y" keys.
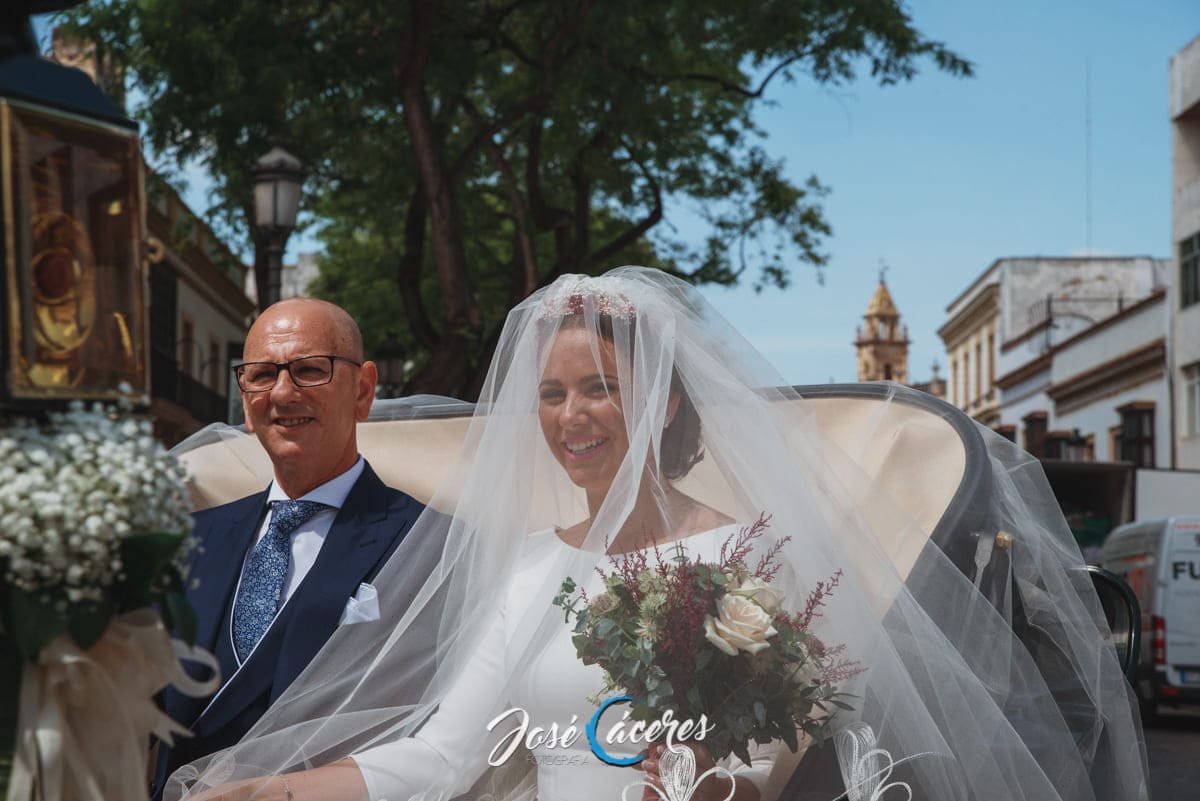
{"x": 788, "y": 735}
{"x": 145, "y": 557}
{"x": 88, "y": 623}
{"x": 33, "y": 623}
{"x": 181, "y": 618}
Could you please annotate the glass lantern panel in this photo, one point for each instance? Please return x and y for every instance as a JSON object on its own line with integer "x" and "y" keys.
{"x": 72, "y": 202}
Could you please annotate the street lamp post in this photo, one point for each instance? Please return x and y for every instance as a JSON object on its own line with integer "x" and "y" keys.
{"x": 277, "y": 179}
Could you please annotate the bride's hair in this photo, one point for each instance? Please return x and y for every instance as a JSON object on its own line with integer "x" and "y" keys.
{"x": 682, "y": 440}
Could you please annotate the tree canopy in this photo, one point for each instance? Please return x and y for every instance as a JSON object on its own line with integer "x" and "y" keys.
{"x": 463, "y": 154}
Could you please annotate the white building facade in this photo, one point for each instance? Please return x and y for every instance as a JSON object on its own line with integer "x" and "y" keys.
{"x": 198, "y": 318}
{"x": 1068, "y": 357}
{"x": 1185, "y": 224}
{"x": 1001, "y": 331}
{"x": 1109, "y": 399}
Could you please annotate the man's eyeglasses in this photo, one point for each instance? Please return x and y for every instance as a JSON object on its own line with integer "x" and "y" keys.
{"x": 311, "y": 371}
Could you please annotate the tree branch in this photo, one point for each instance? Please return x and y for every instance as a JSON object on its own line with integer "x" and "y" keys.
{"x": 435, "y": 181}
{"x": 408, "y": 277}
{"x": 525, "y": 243}
{"x": 487, "y": 130}
{"x": 724, "y": 83}
{"x": 635, "y": 232}
{"x": 545, "y": 216}
{"x": 733, "y": 87}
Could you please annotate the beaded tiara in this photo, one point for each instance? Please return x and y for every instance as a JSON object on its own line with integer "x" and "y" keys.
{"x": 578, "y": 296}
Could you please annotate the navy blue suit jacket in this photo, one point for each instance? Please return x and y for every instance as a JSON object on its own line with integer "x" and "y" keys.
{"x": 368, "y": 527}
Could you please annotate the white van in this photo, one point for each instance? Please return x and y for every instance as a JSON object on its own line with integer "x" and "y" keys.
{"x": 1160, "y": 560}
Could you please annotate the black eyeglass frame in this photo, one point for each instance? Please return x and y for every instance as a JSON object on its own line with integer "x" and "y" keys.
{"x": 238, "y": 369}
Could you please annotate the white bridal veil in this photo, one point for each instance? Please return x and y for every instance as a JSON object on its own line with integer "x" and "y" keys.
{"x": 988, "y": 675}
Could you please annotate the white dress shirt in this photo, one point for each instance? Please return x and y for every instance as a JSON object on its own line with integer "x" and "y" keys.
{"x": 306, "y": 541}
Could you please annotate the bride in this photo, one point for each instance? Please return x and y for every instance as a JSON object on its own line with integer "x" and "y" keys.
{"x": 622, "y": 414}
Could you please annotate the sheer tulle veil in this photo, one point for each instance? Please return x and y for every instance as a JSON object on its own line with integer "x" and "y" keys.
{"x": 992, "y": 682}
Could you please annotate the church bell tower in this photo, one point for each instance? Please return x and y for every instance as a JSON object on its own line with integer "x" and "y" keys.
{"x": 882, "y": 342}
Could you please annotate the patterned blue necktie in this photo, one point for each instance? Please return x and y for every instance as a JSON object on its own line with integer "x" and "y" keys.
{"x": 262, "y": 587}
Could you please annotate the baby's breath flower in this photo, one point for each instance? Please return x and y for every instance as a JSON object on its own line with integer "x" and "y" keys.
{"x": 72, "y": 491}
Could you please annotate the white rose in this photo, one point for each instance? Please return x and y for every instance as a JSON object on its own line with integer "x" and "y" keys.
{"x": 741, "y": 624}
{"x": 762, "y": 593}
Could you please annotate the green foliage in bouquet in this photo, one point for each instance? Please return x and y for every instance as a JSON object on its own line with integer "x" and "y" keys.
{"x": 712, "y": 639}
{"x": 93, "y": 523}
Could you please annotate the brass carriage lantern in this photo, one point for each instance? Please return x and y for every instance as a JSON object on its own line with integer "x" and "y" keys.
{"x": 73, "y": 294}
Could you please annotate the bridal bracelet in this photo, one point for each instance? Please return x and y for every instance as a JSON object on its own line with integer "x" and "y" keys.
{"x": 287, "y": 790}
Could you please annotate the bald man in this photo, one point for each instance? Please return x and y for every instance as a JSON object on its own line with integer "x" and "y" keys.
{"x": 276, "y": 569}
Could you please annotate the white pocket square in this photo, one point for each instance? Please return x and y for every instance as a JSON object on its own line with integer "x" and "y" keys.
{"x": 362, "y": 608}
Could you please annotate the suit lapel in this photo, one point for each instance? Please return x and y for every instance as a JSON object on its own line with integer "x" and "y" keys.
{"x": 355, "y": 544}
{"x": 364, "y": 534}
{"x": 217, "y": 569}
{"x": 224, "y": 536}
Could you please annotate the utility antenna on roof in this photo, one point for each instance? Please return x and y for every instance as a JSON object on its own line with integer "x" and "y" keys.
{"x": 1087, "y": 151}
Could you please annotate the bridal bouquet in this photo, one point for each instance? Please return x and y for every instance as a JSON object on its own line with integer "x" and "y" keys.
{"x": 701, "y": 638}
{"x": 94, "y": 531}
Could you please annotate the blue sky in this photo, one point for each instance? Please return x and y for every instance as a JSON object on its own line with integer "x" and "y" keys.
{"x": 941, "y": 176}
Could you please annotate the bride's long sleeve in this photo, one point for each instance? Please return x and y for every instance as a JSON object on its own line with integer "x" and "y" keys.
{"x": 442, "y": 759}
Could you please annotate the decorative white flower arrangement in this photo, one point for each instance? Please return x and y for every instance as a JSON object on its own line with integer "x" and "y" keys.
{"x": 94, "y": 540}
{"x": 93, "y": 522}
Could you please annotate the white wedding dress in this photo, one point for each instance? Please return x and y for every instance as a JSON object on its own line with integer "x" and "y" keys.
{"x": 554, "y": 690}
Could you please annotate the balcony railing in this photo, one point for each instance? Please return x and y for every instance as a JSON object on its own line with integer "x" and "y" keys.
{"x": 169, "y": 383}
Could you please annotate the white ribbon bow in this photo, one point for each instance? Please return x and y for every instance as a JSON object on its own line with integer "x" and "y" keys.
{"x": 866, "y": 767}
{"x": 85, "y": 717}
{"x": 677, "y": 770}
